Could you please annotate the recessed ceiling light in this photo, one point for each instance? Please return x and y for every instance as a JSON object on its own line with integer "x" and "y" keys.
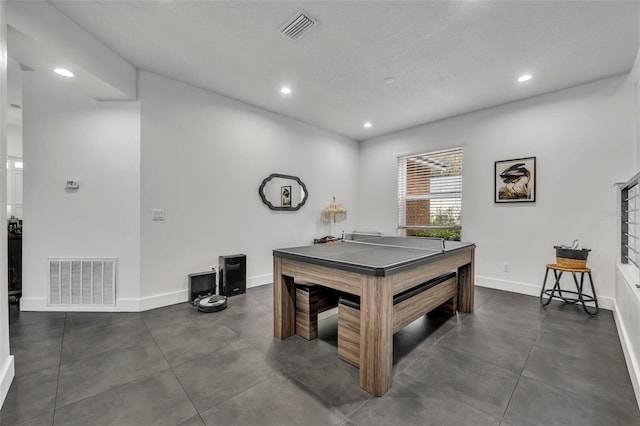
{"x": 525, "y": 77}
{"x": 367, "y": 124}
{"x": 389, "y": 80}
{"x": 285, "y": 91}
{"x": 63, "y": 72}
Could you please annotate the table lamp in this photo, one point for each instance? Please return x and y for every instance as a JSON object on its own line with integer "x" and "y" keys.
{"x": 333, "y": 213}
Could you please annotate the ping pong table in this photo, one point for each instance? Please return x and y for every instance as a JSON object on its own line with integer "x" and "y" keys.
{"x": 374, "y": 268}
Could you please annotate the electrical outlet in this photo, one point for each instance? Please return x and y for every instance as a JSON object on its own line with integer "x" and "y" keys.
{"x": 506, "y": 267}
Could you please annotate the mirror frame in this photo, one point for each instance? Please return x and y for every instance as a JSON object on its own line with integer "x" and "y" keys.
{"x": 278, "y": 175}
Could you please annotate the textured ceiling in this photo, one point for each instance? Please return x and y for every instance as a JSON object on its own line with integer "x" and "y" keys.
{"x": 447, "y": 57}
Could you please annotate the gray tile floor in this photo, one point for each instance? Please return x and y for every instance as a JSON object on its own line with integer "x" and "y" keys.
{"x": 509, "y": 363}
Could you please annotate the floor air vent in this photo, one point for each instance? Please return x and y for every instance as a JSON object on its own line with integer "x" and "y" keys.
{"x": 300, "y": 24}
{"x": 82, "y": 282}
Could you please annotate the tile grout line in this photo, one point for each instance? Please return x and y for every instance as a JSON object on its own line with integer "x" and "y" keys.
{"x": 524, "y": 366}
{"x": 473, "y": 406}
{"x": 578, "y": 396}
{"x": 110, "y": 326}
{"x": 105, "y": 390}
{"x": 289, "y": 375}
{"x": 454, "y": 397}
{"x": 171, "y": 368}
{"x": 450, "y": 331}
{"x": 493, "y": 293}
{"x": 495, "y": 365}
{"x": 98, "y": 354}
{"x": 182, "y": 386}
{"x": 277, "y": 373}
{"x": 55, "y": 400}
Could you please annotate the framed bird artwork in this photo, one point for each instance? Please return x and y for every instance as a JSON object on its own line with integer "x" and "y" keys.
{"x": 515, "y": 180}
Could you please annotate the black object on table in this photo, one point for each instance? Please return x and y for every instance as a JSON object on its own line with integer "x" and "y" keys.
{"x": 325, "y": 240}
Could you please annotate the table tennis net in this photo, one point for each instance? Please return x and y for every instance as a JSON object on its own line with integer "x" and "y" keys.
{"x": 357, "y": 235}
{"x": 376, "y": 238}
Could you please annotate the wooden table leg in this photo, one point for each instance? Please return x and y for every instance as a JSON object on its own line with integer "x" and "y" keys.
{"x": 284, "y": 307}
{"x": 376, "y": 335}
{"x": 466, "y": 285}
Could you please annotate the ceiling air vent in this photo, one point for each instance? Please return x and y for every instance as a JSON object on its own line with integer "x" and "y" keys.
{"x": 299, "y": 25}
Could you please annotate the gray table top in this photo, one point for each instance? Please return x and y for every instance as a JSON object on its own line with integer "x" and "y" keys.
{"x": 376, "y": 256}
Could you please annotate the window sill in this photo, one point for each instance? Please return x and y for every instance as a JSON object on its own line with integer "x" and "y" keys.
{"x": 631, "y": 277}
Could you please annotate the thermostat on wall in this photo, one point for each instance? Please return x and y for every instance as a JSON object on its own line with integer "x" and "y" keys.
{"x": 72, "y": 184}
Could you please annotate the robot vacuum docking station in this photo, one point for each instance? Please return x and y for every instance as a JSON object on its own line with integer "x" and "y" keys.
{"x": 202, "y": 292}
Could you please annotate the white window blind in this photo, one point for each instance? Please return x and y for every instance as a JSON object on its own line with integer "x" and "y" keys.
{"x": 430, "y": 193}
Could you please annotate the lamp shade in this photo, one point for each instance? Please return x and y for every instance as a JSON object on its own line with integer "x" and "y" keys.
{"x": 334, "y": 212}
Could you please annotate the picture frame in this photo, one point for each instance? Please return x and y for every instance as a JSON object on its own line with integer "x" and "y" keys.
{"x": 285, "y": 196}
{"x": 515, "y": 180}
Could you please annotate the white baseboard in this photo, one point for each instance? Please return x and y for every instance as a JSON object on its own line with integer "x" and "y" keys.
{"x": 6, "y": 377}
{"x": 529, "y": 289}
{"x": 40, "y": 304}
{"x": 512, "y": 286}
{"x": 122, "y": 305}
{"x": 130, "y": 304}
{"x": 629, "y": 355}
{"x": 259, "y": 280}
{"x": 153, "y": 302}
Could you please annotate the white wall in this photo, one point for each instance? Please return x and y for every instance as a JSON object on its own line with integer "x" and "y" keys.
{"x": 14, "y": 140}
{"x": 582, "y": 138}
{"x": 6, "y": 360}
{"x": 627, "y": 296}
{"x": 70, "y": 136}
{"x": 203, "y": 159}
{"x": 14, "y": 116}
{"x": 198, "y": 155}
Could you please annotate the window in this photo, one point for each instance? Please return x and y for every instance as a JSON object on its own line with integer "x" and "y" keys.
{"x": 631, "y": 222}
{"x": 430, "y": 194}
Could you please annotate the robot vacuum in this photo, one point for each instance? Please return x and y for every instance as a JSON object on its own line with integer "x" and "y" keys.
{"x": 211, "y": 303}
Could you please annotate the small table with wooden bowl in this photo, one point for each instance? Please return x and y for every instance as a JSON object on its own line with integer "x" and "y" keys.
{"x": 575, "y": 262}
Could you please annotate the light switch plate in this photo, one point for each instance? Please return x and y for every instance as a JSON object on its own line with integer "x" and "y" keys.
{"x": 157, "y": 214}
{"x": 72, "y": 184}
